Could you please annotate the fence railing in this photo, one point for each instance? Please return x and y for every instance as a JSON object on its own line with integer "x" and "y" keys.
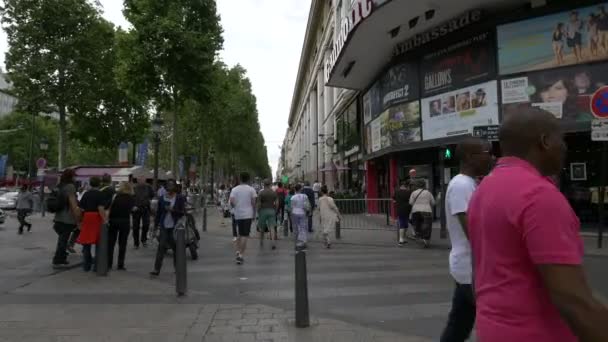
{"x": 366, "y": 213}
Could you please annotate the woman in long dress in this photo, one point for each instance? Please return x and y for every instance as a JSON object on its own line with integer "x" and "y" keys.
{"x": 330, "y": 215}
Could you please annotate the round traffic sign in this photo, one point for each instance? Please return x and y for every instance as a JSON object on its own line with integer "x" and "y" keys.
{"x": 599, "y": 103}
{"x": 41, "y": 163}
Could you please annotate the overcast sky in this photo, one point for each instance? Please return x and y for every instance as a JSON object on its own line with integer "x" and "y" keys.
{"x": 265, "y": 37}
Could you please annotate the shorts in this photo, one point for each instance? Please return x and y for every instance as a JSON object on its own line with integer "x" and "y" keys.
{"x": 244, "y": 227}
{"x": 267, "y": 218}
{"x": 576, "y": 41}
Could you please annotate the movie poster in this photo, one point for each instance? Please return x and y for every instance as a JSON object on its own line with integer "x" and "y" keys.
{"x": 564, "y": 92}
{"x": 457, "y": 112}
{"x": 459, "y": 65}
{"x": 565, "y": 38}
{"x": 398, "y": 85}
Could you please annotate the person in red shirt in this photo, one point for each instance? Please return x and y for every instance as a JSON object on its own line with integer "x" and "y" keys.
{"x": 527, "y": 252}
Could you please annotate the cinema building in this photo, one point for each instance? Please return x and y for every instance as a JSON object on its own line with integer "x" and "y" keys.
{"x": 425, "y": 74}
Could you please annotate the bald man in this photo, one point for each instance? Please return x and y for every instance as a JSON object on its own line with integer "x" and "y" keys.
{"x": 474, "y": 155}
{"x": 527, "y": 253}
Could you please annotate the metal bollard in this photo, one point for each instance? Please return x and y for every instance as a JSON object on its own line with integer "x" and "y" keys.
{"x": 101, "y": 252}
{"x": 181, "y": 276}
{"x": 302, "y": 315}
{"x": 205, "y": 218}
{"x": 338, "y": 235}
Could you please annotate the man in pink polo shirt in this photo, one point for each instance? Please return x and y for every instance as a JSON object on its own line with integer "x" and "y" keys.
{"x": 527, "y": 253}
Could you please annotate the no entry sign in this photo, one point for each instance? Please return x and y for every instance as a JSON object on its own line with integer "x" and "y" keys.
{"x": 599, "y": 103}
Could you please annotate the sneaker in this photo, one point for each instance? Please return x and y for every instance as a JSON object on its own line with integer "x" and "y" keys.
{"x": 402, "y": 243}
{"x": 234, "y": 239}
{"x": 328, "y": 246}
{"x": 121, "y": 268}
{"x": 154, "y": 273}
{"x": 274, "y": 247}
{"x": 239, "y": 260}
{"x": 71, "y": 249}
{"x": 426, "y": 243}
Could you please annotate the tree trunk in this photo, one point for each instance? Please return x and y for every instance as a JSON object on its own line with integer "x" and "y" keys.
{"x": 174, "y": 144}
{"x": 63, "y": 138}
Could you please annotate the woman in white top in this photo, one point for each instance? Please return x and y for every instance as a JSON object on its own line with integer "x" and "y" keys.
{"x": 330, "y": 214}
{"x": 422, "y": 202}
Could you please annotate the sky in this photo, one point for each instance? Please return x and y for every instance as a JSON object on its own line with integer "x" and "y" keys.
{"x": 265, "y": 37}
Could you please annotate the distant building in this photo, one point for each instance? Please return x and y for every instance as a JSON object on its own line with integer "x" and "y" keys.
{"x": 8, "y": 102}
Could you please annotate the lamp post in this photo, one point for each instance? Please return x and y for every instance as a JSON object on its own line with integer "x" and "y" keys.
{"x": 44, "y": 146}
{"x": 157, "y": 126}
{"x": 212, "y": 162}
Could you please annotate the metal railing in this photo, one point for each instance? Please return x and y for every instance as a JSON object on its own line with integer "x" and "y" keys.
{"x": 366, "y": 213}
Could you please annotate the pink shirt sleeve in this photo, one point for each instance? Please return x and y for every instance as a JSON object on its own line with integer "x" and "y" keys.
{"x": 551, "y": 229}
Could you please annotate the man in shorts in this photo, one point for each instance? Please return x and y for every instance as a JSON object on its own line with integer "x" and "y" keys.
{"x": 267, "y": 214}
{"x": 242, "y": 199}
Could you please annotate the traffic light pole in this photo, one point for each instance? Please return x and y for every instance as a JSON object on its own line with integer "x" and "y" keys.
{"x": 442, "y": 219}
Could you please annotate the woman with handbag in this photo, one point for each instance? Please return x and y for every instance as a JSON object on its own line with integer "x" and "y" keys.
{"x": 422, "y": 202}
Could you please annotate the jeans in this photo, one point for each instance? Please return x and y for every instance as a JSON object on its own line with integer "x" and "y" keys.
{"x": 63, "y": 231}
{"x": 301, "y": 223}
{"x": 118, "y": 231}
{"x": 89, "y": 260}
{"x": 310, "y": 223}
{"x": 166, "y": 241}
{"x": 141, "y": 215}
{"x": 21, "y": 214}
{"x": 462, "y": 316}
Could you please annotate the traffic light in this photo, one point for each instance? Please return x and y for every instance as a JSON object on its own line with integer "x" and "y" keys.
{"x": 447, "y": 154}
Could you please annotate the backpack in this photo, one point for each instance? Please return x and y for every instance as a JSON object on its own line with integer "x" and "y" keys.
{"x": 55, "y": 202}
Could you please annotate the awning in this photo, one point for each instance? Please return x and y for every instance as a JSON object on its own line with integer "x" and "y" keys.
{"x": 369, "y": 45}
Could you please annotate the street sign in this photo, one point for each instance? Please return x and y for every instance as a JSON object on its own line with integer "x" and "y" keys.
{"x": 489, "y": 132}
{"x": 599, "y": 103}
{"x": 599, "y": 130}
{"x": 41, "y": 163}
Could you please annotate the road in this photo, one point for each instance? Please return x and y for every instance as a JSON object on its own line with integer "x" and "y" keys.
{"x": 358, "y": 292}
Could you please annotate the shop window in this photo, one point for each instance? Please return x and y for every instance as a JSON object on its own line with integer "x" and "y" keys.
{"x": 347, "y": 128}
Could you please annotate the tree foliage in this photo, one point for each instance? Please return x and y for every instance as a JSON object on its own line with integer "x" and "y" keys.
{"x": 168, "y": 55}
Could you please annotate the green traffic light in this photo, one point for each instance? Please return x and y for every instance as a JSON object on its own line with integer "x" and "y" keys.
{"x": 447, "y": 154}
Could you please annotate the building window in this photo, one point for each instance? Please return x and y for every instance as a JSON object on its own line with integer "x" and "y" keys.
{"x": 347, "y": 128}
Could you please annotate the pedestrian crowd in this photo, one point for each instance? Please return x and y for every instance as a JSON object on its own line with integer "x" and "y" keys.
{"x": 290, "y": 206}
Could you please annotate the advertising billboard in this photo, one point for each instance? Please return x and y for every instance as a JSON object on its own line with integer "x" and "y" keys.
{"x": 398, "y": 85}
{"x": 565, "y": 92}
{"x": 459, "y": 65}
{"x": 396, "y": 126}
{"x": 457, "y": 112}
{"x": 565, "y": 38}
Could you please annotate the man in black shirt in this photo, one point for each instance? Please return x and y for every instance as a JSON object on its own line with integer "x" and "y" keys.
{"x": 107, "y": 189}
{"x": 402, "y": 200}
{"x": 141, "y": 213}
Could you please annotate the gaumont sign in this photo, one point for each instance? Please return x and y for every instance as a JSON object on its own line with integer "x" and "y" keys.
{"x": 438, "y": 32}
{"x": 360, "y": 10}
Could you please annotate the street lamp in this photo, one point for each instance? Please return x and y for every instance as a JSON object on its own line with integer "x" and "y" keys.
{"x": 44, "y": 146}
{"x": 157, "y": 127}
{"x": 212, "y": 162}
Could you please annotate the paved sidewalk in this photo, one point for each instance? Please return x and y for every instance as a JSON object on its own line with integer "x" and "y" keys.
{"x": 382, "y": 237}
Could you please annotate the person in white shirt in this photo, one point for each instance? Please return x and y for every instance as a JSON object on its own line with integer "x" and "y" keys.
{"x": 422, "y": 202}
{"x": 475, "y": 160}
{"x": 300, "y": 209}
{"x": 243, "y": 200}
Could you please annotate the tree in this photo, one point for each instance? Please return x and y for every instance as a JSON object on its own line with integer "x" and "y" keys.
{"x": 54, "y": 48}
{"x": 120, "y": 116}
{"x": 169, "y": 53}
{"x": 16, "y": 136}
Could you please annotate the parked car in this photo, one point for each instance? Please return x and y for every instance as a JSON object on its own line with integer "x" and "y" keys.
{"x": 2, "y": 216}
{"x": 9, "y": 200}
